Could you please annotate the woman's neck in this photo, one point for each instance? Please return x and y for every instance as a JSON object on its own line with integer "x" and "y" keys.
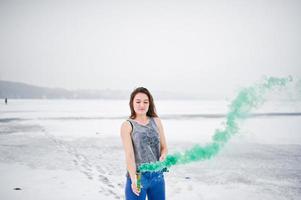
{"x": 141, "y": 118}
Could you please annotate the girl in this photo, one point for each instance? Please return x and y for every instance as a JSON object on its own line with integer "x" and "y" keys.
{"x": 144, "y": 142}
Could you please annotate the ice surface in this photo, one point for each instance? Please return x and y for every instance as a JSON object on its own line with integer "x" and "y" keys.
{"x": 71, "y": 149}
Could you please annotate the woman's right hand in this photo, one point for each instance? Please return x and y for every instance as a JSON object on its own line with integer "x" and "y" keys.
{"x": 134, "y": 186}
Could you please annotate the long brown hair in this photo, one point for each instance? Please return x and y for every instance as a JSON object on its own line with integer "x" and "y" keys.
{"x": 151, "y": 110}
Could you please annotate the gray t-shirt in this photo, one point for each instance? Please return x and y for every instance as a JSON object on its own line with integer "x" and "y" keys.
{"x": 146, "y": 142}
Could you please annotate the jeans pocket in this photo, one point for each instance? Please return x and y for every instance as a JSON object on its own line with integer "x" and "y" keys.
{"x": 159, "y": 177}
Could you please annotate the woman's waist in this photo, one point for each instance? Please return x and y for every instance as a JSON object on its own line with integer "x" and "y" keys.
{"x": 149, "y": 175}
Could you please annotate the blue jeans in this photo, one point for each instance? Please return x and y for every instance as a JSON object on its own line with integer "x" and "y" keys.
{"x": 153, "y": 185}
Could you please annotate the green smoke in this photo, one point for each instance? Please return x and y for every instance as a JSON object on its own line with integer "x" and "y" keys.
{"x": 247, "y": 99}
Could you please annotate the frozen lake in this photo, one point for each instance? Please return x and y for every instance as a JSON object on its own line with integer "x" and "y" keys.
{"x": 71, "y": 149}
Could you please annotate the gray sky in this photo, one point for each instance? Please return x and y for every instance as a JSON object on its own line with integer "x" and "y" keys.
{"x": 206, "y": 46}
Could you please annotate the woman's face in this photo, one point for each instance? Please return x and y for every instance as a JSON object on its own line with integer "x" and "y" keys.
{"x": 141, "y": 104}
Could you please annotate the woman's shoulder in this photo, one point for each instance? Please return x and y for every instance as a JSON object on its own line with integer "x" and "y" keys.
{"x": 157, "y": 120}
{"x": 126, "y": 124}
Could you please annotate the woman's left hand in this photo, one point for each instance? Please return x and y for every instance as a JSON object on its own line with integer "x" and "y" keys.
{"x": 162, "y": 157}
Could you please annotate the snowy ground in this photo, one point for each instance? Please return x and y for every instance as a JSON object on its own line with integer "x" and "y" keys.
{"x": 72, "y": 150}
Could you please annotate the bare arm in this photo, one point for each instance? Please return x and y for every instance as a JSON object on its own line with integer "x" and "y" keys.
{"x": 125, "y": 133}
{"x": 163, "y": 143}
